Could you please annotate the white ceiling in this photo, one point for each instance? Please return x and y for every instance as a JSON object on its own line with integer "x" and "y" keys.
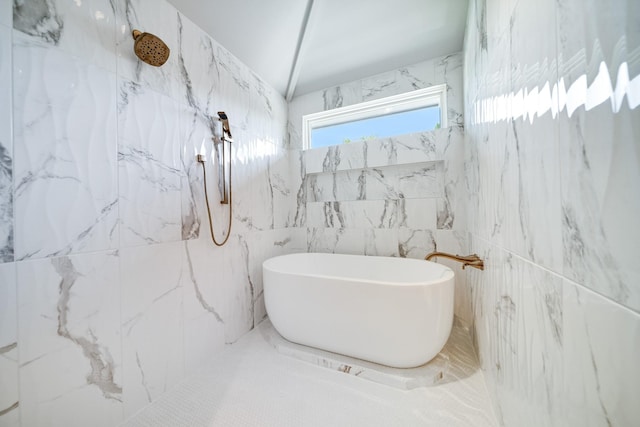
{"x": 337, "y": 40}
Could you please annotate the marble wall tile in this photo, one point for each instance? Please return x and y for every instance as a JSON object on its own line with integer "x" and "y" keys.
{"x": 65, "y": 157}
{"x": 422, "y": 180}
{"x": 335, "y": 158}
{"x": 519, "y": 331}
{"x": 240, "y": 290}
{"x": 343, "y": 185}
{"x": 199, "y": 139}
{"x": 85, "y": 30}
{"x": 160, "y": 19}
{"x": 203, "y": 285}
{"x": 342, "y": 95}
{"x": 549, "y": 165}
{"x": 381, "y": 242}
{"x": 417, "y": 213}
{"x": 264, "y": 245}
{"x": 448, "y": 69}
{"x": 106, "y": 146}
{"x": 151, "y": 128}
{"x": 416, "y": 243}
{"x": 70, "y": 348}
{"x": 152, "y": 280}
{"x": 286, "y": 180}
{"x": 601, "y": 375}
{"x": 599, "y": 150}
{"x": 6, "y": 146}
{"x": 336, "y": 240}
{"x": 6, "y": 13}
{"x": 353, "y": 214}
{"x": 9, "y": 397}
{"x": 596, "y": 183}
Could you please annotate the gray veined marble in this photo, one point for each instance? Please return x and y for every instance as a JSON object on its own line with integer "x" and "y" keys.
{"x": 38, "y": 18}
{"x": 99, "y": 357}
{"x": 6, "y": 205}
{"x": 9, "y": 387}
{"x": 6, "y": 150}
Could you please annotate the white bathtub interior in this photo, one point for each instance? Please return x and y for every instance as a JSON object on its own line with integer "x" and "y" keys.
{"x": 262, "y": 380}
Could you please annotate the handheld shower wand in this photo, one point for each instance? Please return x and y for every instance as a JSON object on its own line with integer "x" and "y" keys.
{"x": 225, "y": 124}
{"x": 225, "y": 200}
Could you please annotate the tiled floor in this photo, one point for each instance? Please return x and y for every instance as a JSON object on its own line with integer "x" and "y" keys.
{"x": 263, "y": 380}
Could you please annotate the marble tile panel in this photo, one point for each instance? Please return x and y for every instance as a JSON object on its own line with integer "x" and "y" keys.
{"x": 448, "y": 70}
{"x": 336, "y": 240}
{"x": 152, "y": 128}
{"x": 592, "y": 32}
{"x": 401, "y": 149}
{"x": 64, "y": 118}
{"x": 380, "y": 86}
{"x": 6, "y": 13}
{"x": 9, "y": 397}
{"x": 417, "y": 213}
{"x": 152, "y": 279}
{"x": 83, "y": 29}
{"x": 298, "y": 107}
{"x": 415, "y": 243}
{"x": 343, "y": 185}
{"x": 422, "y": 180}
{"x": 353, "y": 214}
{"x": 6, "y": 145}
{"x": 203, "y": 300}
{"x": 519, "y": 330}
{"x": 335, "y": 158}
{"x": 262, "y": 191}
{"x": 199, "y": 77}
{"x": 240, "y": 290}
{"x": 341, "y": 96}
{"x": 597, "y": 197}
{"x": 70, "y": 348}
{"x": 600, "y": 371}
{"x": 381, "y": 242}
{"x": 199, "y": 139}
{"x": 286, "y": 178}
{"x": 264, "y": 245}
{"x": 456, "y": 242}
{"x": 160, "y": 19}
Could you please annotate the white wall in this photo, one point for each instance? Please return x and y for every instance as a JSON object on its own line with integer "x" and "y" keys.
{"x": 110, "y": 289}
{"x": 553, "y": 202}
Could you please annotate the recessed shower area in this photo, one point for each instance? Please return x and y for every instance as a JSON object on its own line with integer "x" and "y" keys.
{"x": 176, "y": 250}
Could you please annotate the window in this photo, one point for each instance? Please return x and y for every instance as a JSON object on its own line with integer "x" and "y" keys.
{"x": 415, "y": 111}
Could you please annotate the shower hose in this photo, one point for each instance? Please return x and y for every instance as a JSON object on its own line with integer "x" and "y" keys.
{"x": 206, "y": 198}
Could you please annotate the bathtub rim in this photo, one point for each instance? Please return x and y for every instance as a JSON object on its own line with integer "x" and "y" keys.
{"x": 447, "y": 272}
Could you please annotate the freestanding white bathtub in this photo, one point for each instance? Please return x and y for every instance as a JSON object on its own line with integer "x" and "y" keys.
{"x": 393, "y": 311}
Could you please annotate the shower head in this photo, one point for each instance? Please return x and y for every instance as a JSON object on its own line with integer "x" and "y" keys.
{"x": 225, "y": 123}
{"x": 150, "y": 48}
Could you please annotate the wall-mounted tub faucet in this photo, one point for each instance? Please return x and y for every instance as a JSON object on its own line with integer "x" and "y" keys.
{"x": 472, "y": 260}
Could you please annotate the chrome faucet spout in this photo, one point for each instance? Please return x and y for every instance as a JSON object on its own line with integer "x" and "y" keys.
{"x": 472, "y": 260}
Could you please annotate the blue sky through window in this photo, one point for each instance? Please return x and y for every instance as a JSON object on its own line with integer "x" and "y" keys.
{"x": 418, "y": 120}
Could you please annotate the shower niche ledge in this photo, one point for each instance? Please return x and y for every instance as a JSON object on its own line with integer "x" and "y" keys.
{"x": 413, "y": 148}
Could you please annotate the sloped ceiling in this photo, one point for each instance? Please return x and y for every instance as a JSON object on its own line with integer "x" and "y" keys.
{"x": 299, "y": 46}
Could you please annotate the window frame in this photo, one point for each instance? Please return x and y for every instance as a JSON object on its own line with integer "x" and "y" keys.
{"x": 427, "y": 97}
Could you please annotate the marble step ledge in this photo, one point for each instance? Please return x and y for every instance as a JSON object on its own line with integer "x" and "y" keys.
{"x": 455, "y": 362}
{"x": 419, "y": 147}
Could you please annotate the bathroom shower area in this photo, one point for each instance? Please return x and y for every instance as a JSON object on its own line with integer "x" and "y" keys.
{"x": 141, "y": 195}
